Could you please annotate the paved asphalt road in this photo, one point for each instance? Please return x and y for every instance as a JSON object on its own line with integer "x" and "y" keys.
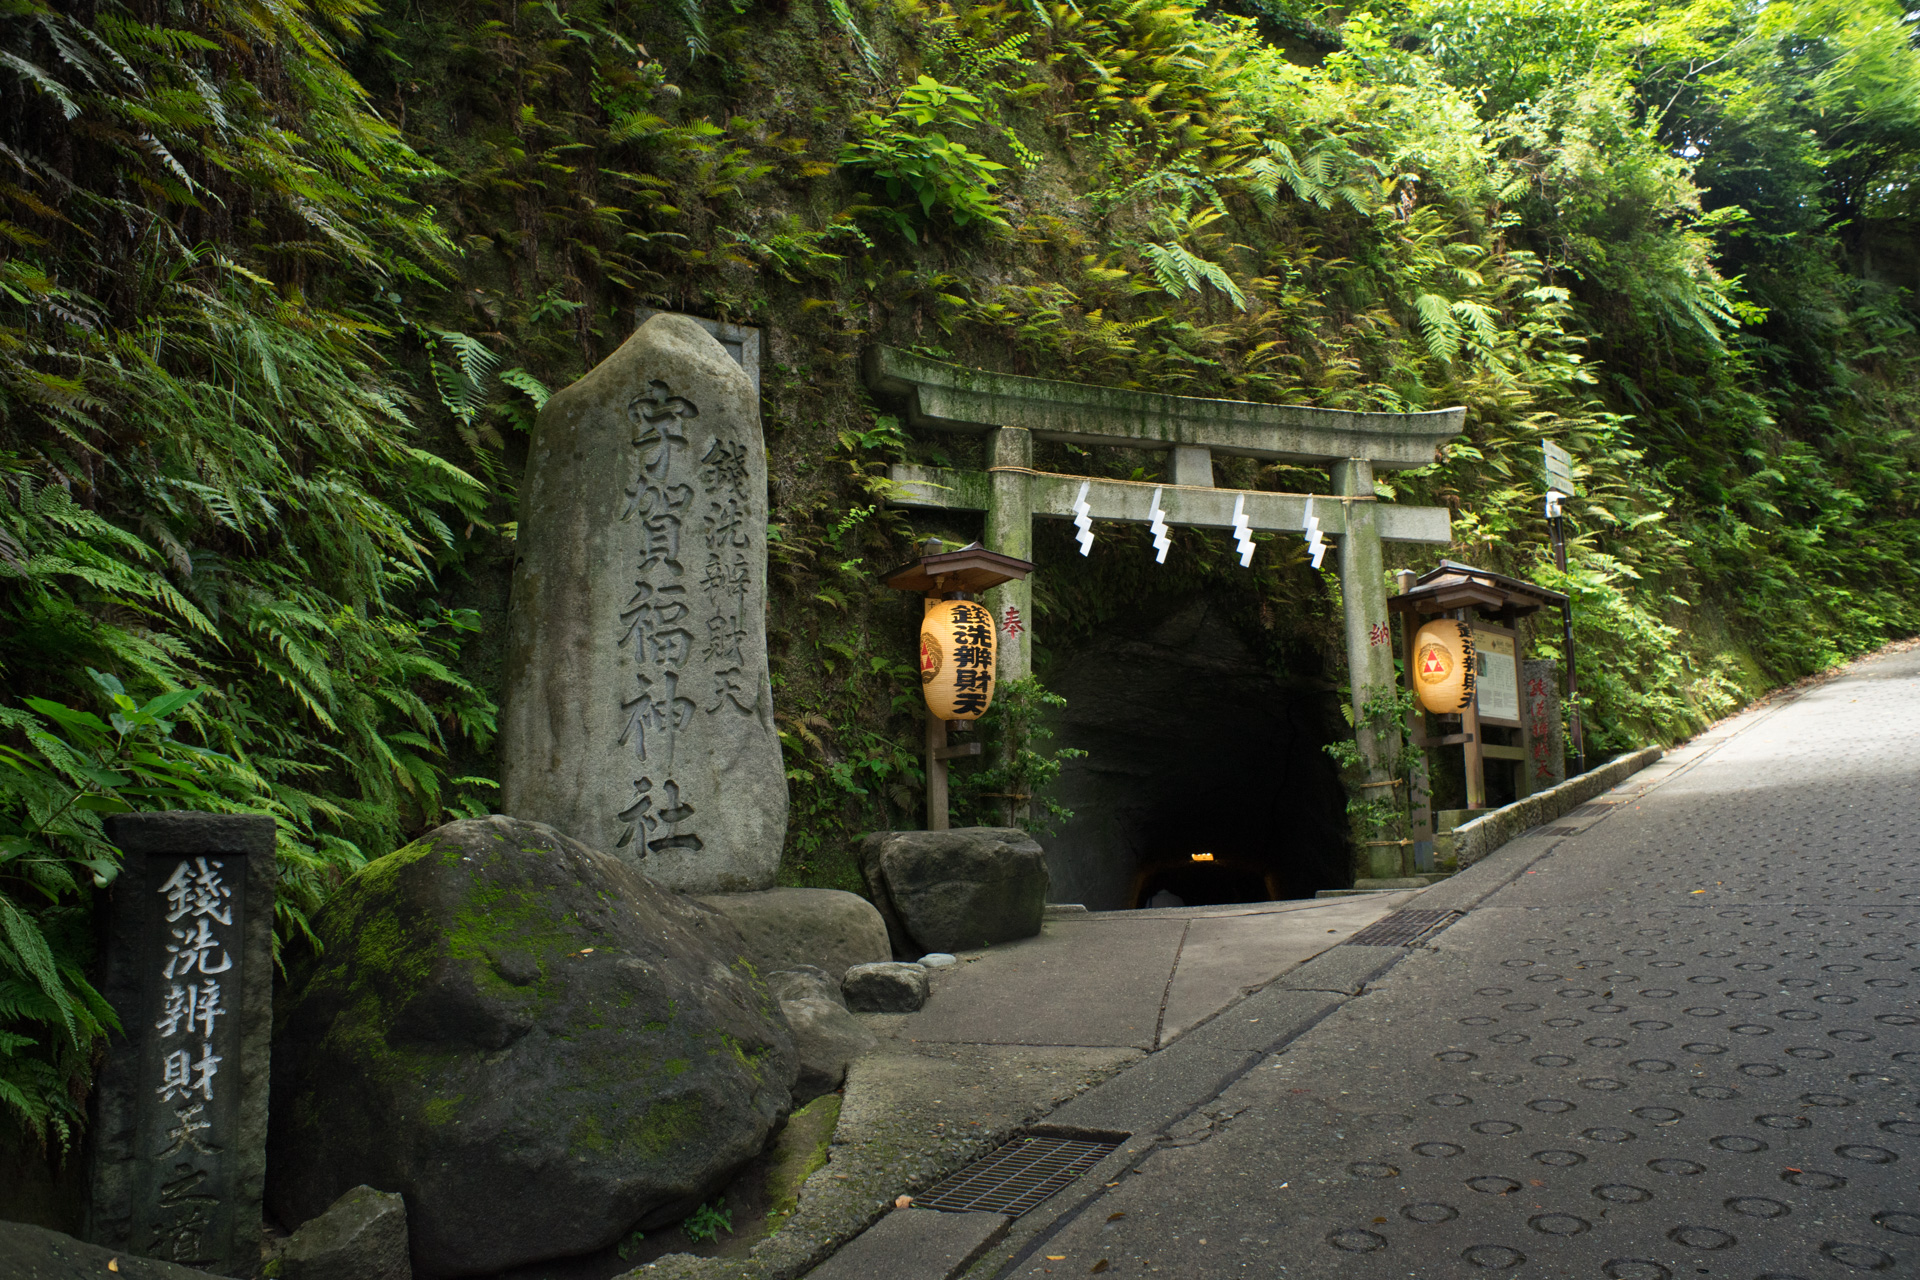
{"x": 1686, "y": 1043}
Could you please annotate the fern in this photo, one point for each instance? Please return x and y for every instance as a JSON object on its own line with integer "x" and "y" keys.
{"x": 1180, "y": 272}
{"x": 522, "y": 381}
{"x": 208, "y": 476}
{"x": 844, "y": 17}
{"x": 1330, "y": 170}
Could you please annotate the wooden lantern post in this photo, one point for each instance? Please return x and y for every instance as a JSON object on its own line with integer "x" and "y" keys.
{"x": 949, "y": 575}
{"x": 1492, "y": 605}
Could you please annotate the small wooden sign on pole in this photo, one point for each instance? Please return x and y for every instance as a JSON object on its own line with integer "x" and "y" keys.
{"x": 1560, "y": 484}
{"x": 1559, "y": 470}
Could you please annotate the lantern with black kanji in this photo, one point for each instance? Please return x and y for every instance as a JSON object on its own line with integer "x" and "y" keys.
{"x": 1443, "y": 666}
{"x": 957, "y": 657}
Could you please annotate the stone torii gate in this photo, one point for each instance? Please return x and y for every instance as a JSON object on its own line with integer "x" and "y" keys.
{"x": 1013, "y": 411}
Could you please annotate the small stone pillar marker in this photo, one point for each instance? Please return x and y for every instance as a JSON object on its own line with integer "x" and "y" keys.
{"x": 1540, "y": 704}
{"x": 177, "y": 1158}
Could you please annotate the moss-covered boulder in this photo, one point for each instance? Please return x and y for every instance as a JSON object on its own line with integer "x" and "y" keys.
{"x": 537, "y": 1046}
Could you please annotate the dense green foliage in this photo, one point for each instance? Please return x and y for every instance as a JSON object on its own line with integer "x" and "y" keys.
{"x": 282, "y": 288}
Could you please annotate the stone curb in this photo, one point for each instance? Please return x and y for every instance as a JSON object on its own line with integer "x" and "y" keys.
{"x": 1474, "y": 840}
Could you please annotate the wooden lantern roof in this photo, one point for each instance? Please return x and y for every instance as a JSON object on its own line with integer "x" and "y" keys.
{"x": 971, "y": 569}
{"x": 1461, "y": 586}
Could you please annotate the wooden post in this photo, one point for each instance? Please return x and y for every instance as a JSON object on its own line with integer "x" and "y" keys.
{"x": 1476, "y": 764}
{"x": 936, "y": 753}
{"x": 1558, "y": 524}
{"x": 936, "y": 773}
{"x": 1523, "y": 771}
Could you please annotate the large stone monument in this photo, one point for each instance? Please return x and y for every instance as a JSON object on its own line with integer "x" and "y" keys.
{"x": 177, "y": 1160}
{"x": 639, "y": 718}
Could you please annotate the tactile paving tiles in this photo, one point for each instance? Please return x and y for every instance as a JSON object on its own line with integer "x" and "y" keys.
{"x": 1726, "y": 1093}
{"x": 1687, "y": 1044}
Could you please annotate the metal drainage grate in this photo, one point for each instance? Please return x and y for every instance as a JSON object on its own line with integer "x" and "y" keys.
{"x": 1594, "y": 808}
{"x": 1017, "y": 1177}
{"x": 1402, "y": 928}
{"x": 1562, "y": 831}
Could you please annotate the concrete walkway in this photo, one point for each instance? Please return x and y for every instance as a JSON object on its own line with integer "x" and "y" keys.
{"x": 1673, "y": 1035}
{"x": 1127, "y": 979}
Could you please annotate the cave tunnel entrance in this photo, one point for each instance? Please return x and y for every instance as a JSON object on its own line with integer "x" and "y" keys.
{"x": 1193, "y": 748}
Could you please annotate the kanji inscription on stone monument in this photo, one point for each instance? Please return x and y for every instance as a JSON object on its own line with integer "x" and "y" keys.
{"x": 180, "y": 1105}
{"x": 639, "y": 714}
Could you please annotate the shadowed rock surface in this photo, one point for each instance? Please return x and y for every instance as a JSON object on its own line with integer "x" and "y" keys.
{"x": 825, "y": 1035}
{"x": 538, "y": 1046}
{"x": 35, "y": 1253}
{"x": 888, "y": 987}
{"x": 955, "y": 890}
{"x": 362, "y": 1236}
{"x": 783, "y": 928}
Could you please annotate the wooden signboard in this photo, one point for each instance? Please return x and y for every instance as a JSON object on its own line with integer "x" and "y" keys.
{"x": 1559, "y": 469}
{"x": 1498, "y": 680}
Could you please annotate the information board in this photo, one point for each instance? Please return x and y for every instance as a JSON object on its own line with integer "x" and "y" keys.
{"x": 1498, "y": 682}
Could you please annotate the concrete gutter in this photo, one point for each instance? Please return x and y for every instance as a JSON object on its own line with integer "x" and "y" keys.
{"x": 1474, "y": 840}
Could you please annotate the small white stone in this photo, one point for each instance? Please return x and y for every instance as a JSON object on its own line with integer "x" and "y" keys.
{"x": 938, "y": 960}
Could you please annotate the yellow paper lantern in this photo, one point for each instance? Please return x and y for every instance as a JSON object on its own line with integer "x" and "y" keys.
{"x": 1443, "y": 666}
{"x": 957, "y": 659}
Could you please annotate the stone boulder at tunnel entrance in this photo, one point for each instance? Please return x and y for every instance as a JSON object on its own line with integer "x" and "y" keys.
{"x": 956, "y": 890}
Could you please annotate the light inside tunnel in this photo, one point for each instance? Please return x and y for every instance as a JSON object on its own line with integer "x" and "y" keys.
{"x": 1203, "y": 857}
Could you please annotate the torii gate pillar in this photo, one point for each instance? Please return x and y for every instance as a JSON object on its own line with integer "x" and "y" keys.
{"x": 1363, "y": 594}
{"x": 1010, "y": 532}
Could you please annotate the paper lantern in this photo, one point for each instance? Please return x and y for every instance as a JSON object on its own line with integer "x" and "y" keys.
{"x": 1443, "y": 666}
{"x": 957, "y": 657}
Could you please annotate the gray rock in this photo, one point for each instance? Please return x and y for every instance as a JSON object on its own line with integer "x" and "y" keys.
{"x": 803, "y": 982}
{"x": 361, "y": 1236}
{"x": 954, "y": 890}
{"x": 938, "y": 960}
{"x": 887, "y": 987}
{"x": 638, "y": 715}
{"x": 35, "y": 1253}
{"x": 540, "y": 1048}
{"x": 784, "y": 928}
{"x": 825, "y": 1035}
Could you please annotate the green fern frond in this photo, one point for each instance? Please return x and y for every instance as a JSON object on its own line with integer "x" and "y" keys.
{"x": 1180, "y": 272}
{"x": 1439, "y": 325}
{"x": 843, "y": 16}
